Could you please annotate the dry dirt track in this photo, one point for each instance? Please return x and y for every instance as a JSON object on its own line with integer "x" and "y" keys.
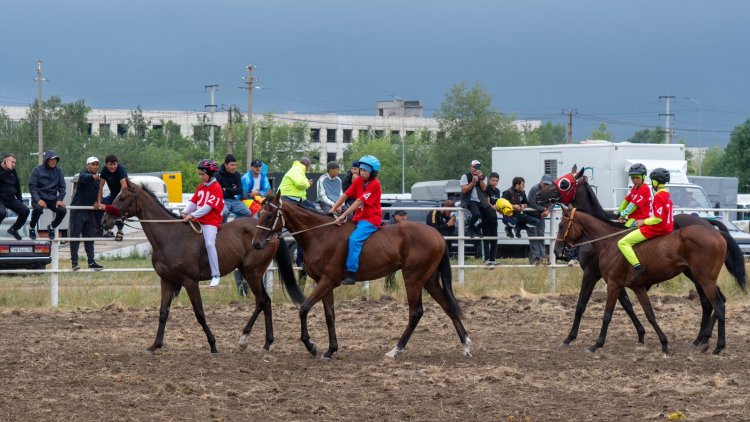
{"x": 90, "y": 365}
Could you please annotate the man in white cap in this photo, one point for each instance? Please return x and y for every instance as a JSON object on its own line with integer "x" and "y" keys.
{"x": 83, "y": 222}
{"x": 473, "y": 198}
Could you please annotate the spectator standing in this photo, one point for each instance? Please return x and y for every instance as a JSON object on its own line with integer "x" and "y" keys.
{"x": 350, "y": 176}
{"x": 205, "y": 207}
{"x": 10, "y": 195}
{"x": 329, "y": 187}
{"x": 83, "y": 222}
{"x": 47, "y": 188}
{"x": 115, "y": 177}
{"x": 516, "y": 195}
{"x": 293, "y": 187}
{"x": 536, "y": 247}
{"x": 489, "y": 220}
{"x": 231, "y": 186}
{"x": 473, "y": 185}
{"x": 255, "y": 181}
{"x": 444, "y": 221}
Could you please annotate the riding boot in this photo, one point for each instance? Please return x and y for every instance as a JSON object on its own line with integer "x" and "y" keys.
{"x": 350, "y": 279}
{"x": 638, "y": 271}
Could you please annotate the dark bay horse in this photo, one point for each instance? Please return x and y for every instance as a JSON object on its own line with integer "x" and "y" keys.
{"x": 179, "y": 258}
{"x": 695, "y": 248}
{"x": 583, "y": 198}
{"x": 417, "y": 249}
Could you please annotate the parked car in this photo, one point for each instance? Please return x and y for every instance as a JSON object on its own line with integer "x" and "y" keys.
{"x": 22, "y": 254}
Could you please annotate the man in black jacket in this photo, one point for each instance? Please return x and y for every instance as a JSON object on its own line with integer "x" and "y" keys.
{"x": 231, "y": 184}
{"x": 516, "y": 195}
{"x": 10, "y": 195}
{"x": 47, "y": 188}
{"x": 83, "y": 222}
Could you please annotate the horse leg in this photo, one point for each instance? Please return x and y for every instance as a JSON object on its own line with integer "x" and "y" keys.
{"x": 333, "y": 343}
{"x": 613, "y": 291}
{"x": 195, "y": 299}
{"x": 414, "y": 297}
{"x": 434, "y": 289}
{"x": 322, "y": 288}
{"x": 716, "y": 298}
{"x": 643, "y": 298}
{"x": 706, "y": 309}
{"x": 167, "y": 290}
{"x": 262, "y": 303}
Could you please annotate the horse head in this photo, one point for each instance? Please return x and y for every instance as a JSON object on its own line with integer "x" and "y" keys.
{"x": 124, "y": 206}
{"x": 563, "y": 190}
{"x": 270, "y": 220}
{"x": 568, "y": 232}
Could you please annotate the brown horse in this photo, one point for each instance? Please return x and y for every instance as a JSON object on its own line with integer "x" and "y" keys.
{"x": 695, "y": 248}
{"x": 584, "y": 199}
{"x": 417, "y": 249}
{"x": 179, "y": 258}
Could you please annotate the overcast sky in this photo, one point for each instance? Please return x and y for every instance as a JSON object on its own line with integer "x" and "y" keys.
{"x": 608, "y": 60}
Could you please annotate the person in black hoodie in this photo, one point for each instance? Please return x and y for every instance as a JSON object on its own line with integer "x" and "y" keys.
{"x": 10, "y": 195}
{"x": 516, "y": 195}
{"x": 83, "y": 222}
{"x": 47, "y": 188}
{"x": 231, "y": 184}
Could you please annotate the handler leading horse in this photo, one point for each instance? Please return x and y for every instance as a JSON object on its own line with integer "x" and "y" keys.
{"x": 179, "y": 257}
{"x": 419, "y": 250}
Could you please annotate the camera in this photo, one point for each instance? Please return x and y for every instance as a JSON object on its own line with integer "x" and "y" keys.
{"x": 454, "y": 214}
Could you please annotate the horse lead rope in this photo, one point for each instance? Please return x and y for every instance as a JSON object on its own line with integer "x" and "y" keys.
{"x": 192, "y": 224}
{"x": 604, "y": 237}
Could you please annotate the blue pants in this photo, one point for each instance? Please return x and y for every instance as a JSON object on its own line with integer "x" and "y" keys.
{"x": 236, "y": 207}
{"x": 356, "y": 240}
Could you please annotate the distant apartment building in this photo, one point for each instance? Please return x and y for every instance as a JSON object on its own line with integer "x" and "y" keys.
{"x": 332, "y": 132}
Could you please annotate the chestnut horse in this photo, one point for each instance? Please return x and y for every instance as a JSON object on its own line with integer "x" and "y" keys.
{"x": 582, "y": 197}
{"x": 179, "y": 258}
{"x": 695, "y": 248}
{"x": 417, "y": 249}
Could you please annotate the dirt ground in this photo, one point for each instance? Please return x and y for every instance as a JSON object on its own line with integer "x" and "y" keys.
{"x": 91, "y": 365}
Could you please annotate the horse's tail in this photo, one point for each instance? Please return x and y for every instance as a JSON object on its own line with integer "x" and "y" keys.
{"x": 286, "y": 272}
{"x": 446, "y": 276}
{"x": 735, "y": 259}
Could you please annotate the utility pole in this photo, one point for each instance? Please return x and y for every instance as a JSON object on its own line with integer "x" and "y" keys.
{"x": 40, "y": 111}
{"x": 250, "y": 81}
{"x": 570, "y": 123}
{"x": 668, "y": 115}
{"x": 230, "y": 142}
{"x": 213, "y": 110}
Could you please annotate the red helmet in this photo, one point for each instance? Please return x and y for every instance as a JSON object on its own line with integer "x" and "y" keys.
{"x": 209, "y": 166}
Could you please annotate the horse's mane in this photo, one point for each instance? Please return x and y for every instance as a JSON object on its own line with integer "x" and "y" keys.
{"x": 595, "y": 207}
{"x": 148, "y": 191}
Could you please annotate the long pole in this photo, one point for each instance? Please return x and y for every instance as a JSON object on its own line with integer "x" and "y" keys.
{"x": 250, "y": 87}
{"x": 39, "y": 111}
{"x": 403, "y": 148}
{"x": 213, "y": 110}
{"x": 230, "y": 142}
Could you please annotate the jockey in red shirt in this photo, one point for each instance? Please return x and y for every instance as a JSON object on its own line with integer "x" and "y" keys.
{"x": 661, "y": 223}
{"x": 637, "y": 205}
{"x": 205, "y": 207}
{"x": 366, "y": 208}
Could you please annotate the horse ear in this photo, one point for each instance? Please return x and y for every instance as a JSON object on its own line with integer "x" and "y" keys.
{"x": 574, "y": 169}
{"x": 580, "y": 173}
{"x": 278, "y": 195}
{"x": 129, "y": 183}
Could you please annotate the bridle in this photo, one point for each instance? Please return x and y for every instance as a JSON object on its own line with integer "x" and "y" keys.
{"x": 567, "y": 229}
{"x": 274, "y": 233}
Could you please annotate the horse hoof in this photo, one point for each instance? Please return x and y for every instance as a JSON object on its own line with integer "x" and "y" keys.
{"x": 394, "y": 352}
{"x": 263, "y": 351}
{"x": 214, "y": 354}
{"x": 717, "y": 351}
{"x": 704, "y": 349}
{"x": 467, "y": 354}
{"x": 150, "y": 351}
{"x": 243, "y": 342}
{"x": 593, "y": 349}
{"x": 313, "y": 350}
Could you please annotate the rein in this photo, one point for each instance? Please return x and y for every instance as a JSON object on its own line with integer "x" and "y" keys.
{"x": 570, "y": 224}
{"x": 280, "y": 215}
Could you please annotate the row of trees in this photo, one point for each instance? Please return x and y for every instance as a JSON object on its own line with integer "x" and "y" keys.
{"x": 469, "y": 126}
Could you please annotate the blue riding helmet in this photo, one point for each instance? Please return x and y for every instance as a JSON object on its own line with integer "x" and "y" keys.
{"x": 371, "y": 161}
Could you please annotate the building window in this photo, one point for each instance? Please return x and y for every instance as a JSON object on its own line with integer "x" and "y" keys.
{"x": 315, "y": 135}
{"x": 89, "y": 128}
{"x": 380, "y": 112}
{"x": 122, "y": 129}
{"x": 550, "y": 167}
{"x": 378, "y": 133}
{"x": 331, "y": 156}
{"x": 330, "y": 135}
{"x": 347, "y": 136}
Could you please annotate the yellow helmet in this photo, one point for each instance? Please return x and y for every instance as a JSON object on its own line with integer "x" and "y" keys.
{"x": 504, "y": 207}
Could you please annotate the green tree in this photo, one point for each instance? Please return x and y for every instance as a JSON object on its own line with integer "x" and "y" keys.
{"x": 472, "y": 127}
{"x": 648, "y": 136}
{"x": 547, "y": 134}
{"x": 713, "y": 162}
{"x": 388, "y": 152}
{"x": 737, "y": 157}
{"x": 602, "y": 133}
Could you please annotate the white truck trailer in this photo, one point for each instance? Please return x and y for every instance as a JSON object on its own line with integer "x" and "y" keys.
{"x": 606, "y": 166}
